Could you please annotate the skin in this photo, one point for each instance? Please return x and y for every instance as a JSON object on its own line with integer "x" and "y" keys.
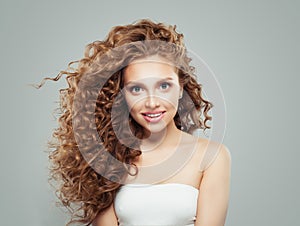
{"x": 152, "y": 87}
{"x": 146, "y": 91}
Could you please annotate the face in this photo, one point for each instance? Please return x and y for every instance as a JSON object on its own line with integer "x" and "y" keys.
{"x": 152, "y": 91}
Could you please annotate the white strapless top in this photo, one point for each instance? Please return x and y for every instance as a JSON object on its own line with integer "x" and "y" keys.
{"x": 169, "y": 204}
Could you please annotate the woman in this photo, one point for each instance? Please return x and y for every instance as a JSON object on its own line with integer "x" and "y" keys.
{"x": 125, "y": 153}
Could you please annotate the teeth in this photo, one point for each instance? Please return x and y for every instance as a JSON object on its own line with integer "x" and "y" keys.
{"x": 153, "y": 115}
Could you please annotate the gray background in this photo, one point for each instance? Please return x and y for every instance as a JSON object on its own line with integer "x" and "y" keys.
{"x": 252, "y": 47}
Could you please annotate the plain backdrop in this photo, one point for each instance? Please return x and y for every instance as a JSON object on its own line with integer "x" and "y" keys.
{"x": 251, "y": 46}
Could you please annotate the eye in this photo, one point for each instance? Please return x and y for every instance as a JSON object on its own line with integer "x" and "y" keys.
{"x": 135, "y": 89}
{"x": 165, "y": 85}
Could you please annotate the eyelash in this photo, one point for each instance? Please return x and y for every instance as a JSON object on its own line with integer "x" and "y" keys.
{"x": 165, "y": 83}
{"x": 133, "y": 88}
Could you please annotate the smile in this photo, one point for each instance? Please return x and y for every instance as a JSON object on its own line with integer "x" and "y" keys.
{"x": 153, "y": 116}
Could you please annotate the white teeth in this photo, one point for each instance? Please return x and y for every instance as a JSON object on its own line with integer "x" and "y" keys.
{"x": 153, "y": 115}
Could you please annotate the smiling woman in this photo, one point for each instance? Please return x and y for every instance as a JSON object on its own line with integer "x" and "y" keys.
{"x": 152, "y": 91}
{"x": 124, "y": 152}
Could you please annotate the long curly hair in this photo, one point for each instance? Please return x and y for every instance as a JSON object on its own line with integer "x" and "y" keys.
{"x": 78, "y": 162}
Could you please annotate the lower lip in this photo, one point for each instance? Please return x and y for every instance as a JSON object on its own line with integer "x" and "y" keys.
{"x": 155, "y": 119}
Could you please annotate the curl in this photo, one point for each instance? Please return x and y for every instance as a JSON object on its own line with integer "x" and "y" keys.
{"x": 80, "y": 188}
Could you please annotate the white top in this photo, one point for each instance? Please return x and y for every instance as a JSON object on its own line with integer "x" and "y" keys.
{"x": 157, "y": 204}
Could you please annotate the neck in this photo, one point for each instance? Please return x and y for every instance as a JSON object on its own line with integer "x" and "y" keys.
{"x": 158, "y": 140}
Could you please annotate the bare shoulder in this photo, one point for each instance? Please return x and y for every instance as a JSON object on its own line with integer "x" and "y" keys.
{"x": 214, "y": 186}
{"x": 223, "y": 156}
{"x": 213, "y": 154}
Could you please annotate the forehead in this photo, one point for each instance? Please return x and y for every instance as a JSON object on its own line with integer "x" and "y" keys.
{"x": 152, "y": 67}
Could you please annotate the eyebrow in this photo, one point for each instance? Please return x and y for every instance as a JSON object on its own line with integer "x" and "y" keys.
{"x": 141, "y": 83}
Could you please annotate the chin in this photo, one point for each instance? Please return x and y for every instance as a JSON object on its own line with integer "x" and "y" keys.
{"x": 155, "y": 129}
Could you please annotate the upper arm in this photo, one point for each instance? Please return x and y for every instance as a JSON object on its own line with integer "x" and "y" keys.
{"x": 106, "y": 218}
{"x": 214, "y": 191}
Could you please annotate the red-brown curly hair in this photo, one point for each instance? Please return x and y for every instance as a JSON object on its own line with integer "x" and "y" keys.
{"x": 78, "y": 169}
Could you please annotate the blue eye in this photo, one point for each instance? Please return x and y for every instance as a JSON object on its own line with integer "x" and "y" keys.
{"x": 135, "y": 89}
{"x": 164, "y": 85}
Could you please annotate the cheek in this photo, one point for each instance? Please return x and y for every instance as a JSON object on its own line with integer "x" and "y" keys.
{"x": 129, "y": 103}
{"x": 132, "y": 103}
{"x": 174, "y": 103}
{"x": 171, "y": 97}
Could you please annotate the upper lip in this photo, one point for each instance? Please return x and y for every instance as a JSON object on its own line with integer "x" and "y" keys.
{"x": 152, "y": 112}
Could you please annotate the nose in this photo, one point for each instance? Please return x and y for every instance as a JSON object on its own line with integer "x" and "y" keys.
{"x": 152, "y": 102}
